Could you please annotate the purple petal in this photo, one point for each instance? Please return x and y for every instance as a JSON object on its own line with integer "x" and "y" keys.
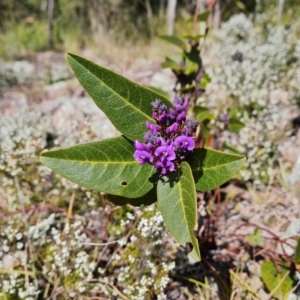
{"x": 164, "y": 171}
{"x": 152, "y": 127}
{"x": 165, "y": 152}
{"x": 174, "y": 128}
{"x": 185, "y": 105}
{"x": 142, "y": 156}
{"x": 172, "y": 113}
{"x": 184, "y": 142}
{"x": 170, "y": 166}
{"x": 165, "y": 166}
{"x": 139, "y": 146}
{"x": 158, "y": 165}
{"x": 181, "y": 117}
{"x": 150, "y": 146}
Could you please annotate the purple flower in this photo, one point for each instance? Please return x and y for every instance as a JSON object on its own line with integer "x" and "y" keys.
{"x": 168, "y": 141}
{"x": 150, "y": 137}
{"x": 172, "y": 113}
{"x": 152, "y": 127}
{"x": 150, "y": 147}
{"x": 175, "y": 127}
{"x": 143, "y": 156}
{"x": 180, "y": 104}
{"x": 225, "y": 119}
{"x": 159, "y": 111}
{"x": 156, "y": 104}
{"x": 165, "y": 152}
{"x": 184, "y": 142}
{"x": 191, "y": 127}
{"x": 181, "y": 117}
{"x": 178, "y": 101}
{"x": 165, "y": 166}
{"x": 162, "y": 118}
{"x": 139, "y": 146}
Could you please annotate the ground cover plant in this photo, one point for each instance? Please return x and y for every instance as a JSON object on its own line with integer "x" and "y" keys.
{"x": 61, "y": 240}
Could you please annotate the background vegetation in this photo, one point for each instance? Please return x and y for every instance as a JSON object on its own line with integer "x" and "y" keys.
{"x": 24, "y": 25}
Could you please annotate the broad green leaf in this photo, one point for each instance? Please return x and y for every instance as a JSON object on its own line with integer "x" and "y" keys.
{"x": 124, "y": 102}
{"x": 212, "y": 168}
{"x": 174, "y": 40}
{"x": 176, "y": 197}
{"x": 147, "y": 199}
{"x": 107, "y": 166}
{"x": 235, "y": 125}
{"x": 276, "y": 279}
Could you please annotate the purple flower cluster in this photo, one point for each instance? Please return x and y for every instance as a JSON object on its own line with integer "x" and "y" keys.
{"x": 169, "y": 141}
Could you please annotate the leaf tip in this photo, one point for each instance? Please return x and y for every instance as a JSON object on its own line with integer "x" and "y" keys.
{"x": 69, "y": 56}
{"x": 195, "y": 255}
{"x": 42, "y": 157}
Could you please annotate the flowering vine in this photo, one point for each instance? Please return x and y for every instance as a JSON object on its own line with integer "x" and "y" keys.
{"x": 169, "y": 141}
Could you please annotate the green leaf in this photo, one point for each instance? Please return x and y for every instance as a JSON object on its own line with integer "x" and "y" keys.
{"x": 202, "y": 113}
{"x": 174, "y": 40}
{"x": 176, "y": 197}
{"x": 297, "y": 252}
{"x": 124, "y": 102}
{"x": 194, "y": 55}
{"x": 201, "y": 17}
{"x": 230, "y": 148}
{"x": 170, "y": 64}
{"x": 277, "y": 280}
{"x": 212, "y": 168}
{"x": 191, "y": 68}
{"x": 205, "y": 80}
{"x": 235, "y": 125}
{"x": 255, "y": 239}
{"x": 147, "y": 199}
{"x": 195, "y": 38}
{"x": 241, "y": 5}
{"x": 107, "y": 166}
